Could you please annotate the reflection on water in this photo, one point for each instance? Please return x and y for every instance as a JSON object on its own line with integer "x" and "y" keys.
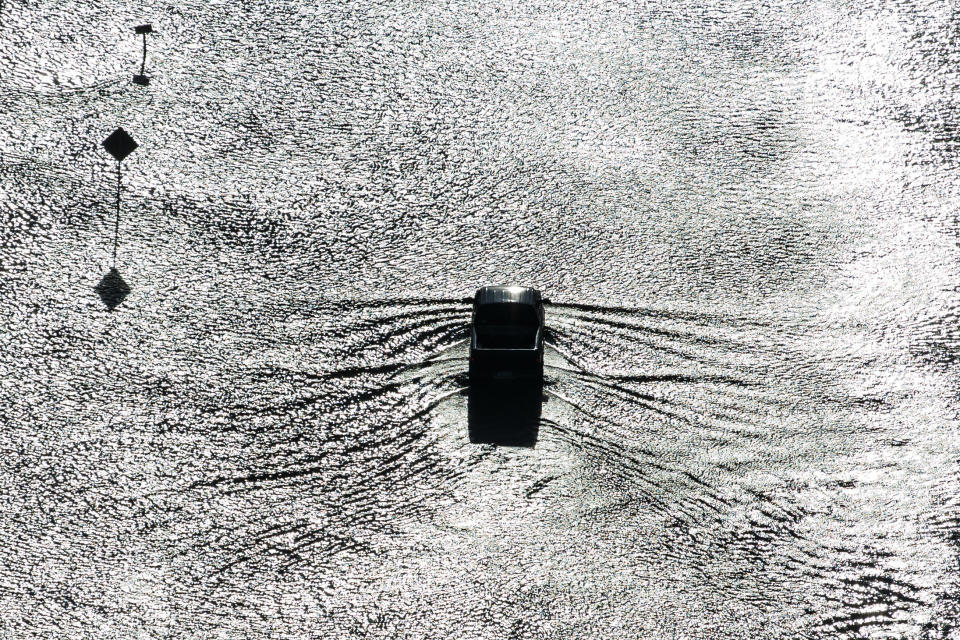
{"x": 112, "y": 289}
{"x": 505, "y": 412}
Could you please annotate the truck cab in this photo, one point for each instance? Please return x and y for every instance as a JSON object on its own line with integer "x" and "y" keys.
{"x": 506, "y": 336}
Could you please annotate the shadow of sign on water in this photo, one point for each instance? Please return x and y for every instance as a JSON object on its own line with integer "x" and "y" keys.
{"x": 112, "y": 289}
{"x": 505, "y": 413}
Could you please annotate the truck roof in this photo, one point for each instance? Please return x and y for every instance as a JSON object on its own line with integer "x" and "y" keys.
{"x": 504, "y": 294}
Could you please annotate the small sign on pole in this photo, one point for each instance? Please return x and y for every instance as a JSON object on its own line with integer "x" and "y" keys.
{"x": 141, "y": 78}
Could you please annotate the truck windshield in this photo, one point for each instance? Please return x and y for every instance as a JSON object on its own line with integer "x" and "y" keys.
{"x": 506, "y": 326}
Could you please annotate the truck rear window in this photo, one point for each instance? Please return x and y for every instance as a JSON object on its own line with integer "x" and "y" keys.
{"x": 519, "y": 315}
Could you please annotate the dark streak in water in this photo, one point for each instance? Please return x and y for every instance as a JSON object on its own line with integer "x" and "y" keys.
{"x": 572, "y": 337}
{"x": 698, "y": 317}
{"x": 390, "y": 303}
{"x": 394, "y": 449}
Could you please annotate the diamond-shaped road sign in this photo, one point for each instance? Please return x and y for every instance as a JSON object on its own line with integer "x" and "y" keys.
{"x": 119, "y": 144}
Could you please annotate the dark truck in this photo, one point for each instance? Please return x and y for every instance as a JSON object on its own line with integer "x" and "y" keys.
{"x": 506, "y": 338}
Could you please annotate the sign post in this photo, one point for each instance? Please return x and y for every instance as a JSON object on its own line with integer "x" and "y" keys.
{"x": 112, "y": 289}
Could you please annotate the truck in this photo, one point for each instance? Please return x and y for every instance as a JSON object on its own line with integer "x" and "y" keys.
{"x": 506, "y": 336}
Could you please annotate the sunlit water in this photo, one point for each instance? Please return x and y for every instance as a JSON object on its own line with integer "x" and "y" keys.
{"x": 745, "y": 215}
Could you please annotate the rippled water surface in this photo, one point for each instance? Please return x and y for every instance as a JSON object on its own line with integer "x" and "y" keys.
{"x": 745, "y": 215}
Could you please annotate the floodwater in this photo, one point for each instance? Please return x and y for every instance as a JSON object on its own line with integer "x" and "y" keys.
{"x": 745, "y": 214}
